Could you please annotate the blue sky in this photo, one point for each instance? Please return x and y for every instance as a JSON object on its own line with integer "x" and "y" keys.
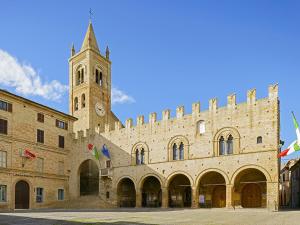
{"x": 165, "y": 53}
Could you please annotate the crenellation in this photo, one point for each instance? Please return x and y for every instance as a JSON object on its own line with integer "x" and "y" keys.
{"x": 195, "y": 108}
{"x": 179, "y": 112}
{"x": 213, "y": 104}
{"x": 231, "y": 101}
{"x": 273, "y": 91}
{"x": 251, "y": 96}
{"x": 118, "y": 125}
{"x": 140, "y": 120}
{"x": 129, "y": 123}
{"x": 166, "y": 114}
{"x": 152, "y": 117}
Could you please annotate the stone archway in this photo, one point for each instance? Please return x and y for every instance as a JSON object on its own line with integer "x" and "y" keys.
{"x": 89, "y": 178}
{"x": 180, "y": 194}
{"x": 250, "y": 189}
{"x": 212, "y": 190}
{"x": 22, "y": 195}
{"x": 126, "y": 193}
{"x": 151, "y": 192}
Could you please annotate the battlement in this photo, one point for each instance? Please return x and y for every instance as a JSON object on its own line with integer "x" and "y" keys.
{"x": 180, "y": 110}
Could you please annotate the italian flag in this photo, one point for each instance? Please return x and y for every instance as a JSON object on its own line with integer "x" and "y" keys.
{"x": 93, "y": 150}
{"x": 295, "y": 146}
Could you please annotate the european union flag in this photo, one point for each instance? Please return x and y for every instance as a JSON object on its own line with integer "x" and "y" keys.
{"x": 105, "y": 151}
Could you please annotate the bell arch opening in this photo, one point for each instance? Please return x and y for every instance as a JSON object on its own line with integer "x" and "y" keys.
{"x": 89, "y": 178}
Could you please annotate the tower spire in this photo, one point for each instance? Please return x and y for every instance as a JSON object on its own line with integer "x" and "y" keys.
{"x": 90, "y": 41}
{"x": 73, "y": 52}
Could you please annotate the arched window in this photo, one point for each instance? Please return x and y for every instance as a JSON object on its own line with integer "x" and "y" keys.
{"x": 137, "y": 157}
{"x": 221, "y": 146}
{"x": 100, "y": 79}
{"x": 181, "y": 151}
{"x": 229, "y": 145}
{"x": 78, "y": 78}
{"x": 82, "y": 75}
{"x": 83, "y": 101}
{"x": 175, "y": 156}
{"x": 201, "y": 127}
{"x": 142, "y": 156}
{"x": 97, "y": 76}
{"x": 259, "y": 140}
{"x": 76, "y": 104}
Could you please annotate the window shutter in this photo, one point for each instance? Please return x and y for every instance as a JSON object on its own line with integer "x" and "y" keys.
{"x": 9, "y": 107}
{"x": 56, "y": 123}
{"x": 66, "y": 125}
{"x": 5, "y": 126}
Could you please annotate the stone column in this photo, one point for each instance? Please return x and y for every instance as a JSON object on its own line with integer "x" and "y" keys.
{"x": 272, "y": 196}
{"x": 138, "y": 199}
{"x": 195, "y": 197}
{"x": 229, "y": 196}
{"x": 165, "y": 198}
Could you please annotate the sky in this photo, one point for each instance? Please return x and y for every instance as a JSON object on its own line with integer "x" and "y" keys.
{"x": 164, "y": 53}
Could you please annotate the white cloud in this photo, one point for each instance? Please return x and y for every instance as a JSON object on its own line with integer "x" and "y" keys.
{"x": 26, "y": 79}
{"x": 119, "y": 97}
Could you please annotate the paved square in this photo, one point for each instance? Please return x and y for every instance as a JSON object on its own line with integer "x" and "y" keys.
{"x": 150, "y": 216}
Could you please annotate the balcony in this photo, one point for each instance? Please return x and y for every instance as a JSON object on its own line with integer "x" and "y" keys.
{"x": 107, "y": 172}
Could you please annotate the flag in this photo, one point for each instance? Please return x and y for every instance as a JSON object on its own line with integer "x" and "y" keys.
{"x": 90, "y": 147}
{"x": 95, "y": 153}
{"x": 27, "y": 154}
{"x": 295, "y": 146}
{"x": 105, "y": 151}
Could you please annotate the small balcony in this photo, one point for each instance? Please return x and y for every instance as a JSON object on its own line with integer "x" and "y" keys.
{"x": 107, "y": 172}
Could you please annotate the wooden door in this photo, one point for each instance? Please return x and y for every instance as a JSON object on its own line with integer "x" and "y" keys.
{"x": 219, "y": 197}
{"x": 22, "y": 195}
{"x": 251, "y": 196}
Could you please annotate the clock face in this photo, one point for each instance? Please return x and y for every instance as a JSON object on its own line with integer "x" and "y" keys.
{"x": 100, "y": 110}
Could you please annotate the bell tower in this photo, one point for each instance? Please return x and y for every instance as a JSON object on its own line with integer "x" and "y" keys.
{"x": 90, "y": 85}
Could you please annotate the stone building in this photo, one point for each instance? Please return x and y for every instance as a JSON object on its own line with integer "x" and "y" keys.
{"x": 220, "y": 157}
{"x": 295, "y": 185}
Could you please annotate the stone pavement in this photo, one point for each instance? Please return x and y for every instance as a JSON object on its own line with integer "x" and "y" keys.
{"x": 150, "y": 216}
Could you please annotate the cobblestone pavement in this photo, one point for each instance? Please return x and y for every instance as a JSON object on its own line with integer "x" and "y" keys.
{"x": 150, "y": 216}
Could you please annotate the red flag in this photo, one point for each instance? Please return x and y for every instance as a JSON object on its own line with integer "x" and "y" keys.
{"x": 90, "y": 146}
{"x": 28, "y": 154}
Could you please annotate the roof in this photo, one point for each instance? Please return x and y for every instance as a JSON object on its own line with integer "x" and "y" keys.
{"x": 37, "y": 104}
{"x": 90, "y": 41}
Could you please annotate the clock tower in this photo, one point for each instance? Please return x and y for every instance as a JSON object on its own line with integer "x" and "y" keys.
{"x": 90, "y": 85}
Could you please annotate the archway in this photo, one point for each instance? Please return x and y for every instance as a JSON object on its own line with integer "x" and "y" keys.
{"x": 126, "y": 193}
{"x": 251, "y": 189}
{"x": 180, "y": 191}
{"x": 22, "y": 191}
{"x": 89, "y": 178}
{"x": 151, "y": 192}
{"x": 212, "y": 190}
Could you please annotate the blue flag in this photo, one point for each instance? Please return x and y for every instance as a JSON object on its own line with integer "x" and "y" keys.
{"x": 105, "y": 151}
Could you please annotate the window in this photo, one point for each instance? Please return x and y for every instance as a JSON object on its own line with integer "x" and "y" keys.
{"x": 201, "y": 127}
{"x": 137, "y": 157}
{"x": 61, "y": 124}
{"x": 98, "y": 77}
{"x": 3, "y": 126}
{"x": 61, "y": 141}
{"x": 76, "y": 104}
{"x": 259, "y": 140}
{"x": 175, "y": 156}
{"x": 107, "y": 194}
{"x": 221, "y": 146}
{"x": 83, "y": 101}
{"x": 181, "y": 151}
{"x": 3, "y": 193}
{"x": 61, "y": 168}
{"x": 39, "y": 194}
{"x": 108, "y": 163}
{"x": 40, "y": 165}
{"x": 230, "y": 144}
{"x": 40, "y": 117}
{"x": 283, "y": 177}
{"x": 142, "y": 156}
{"x": 40, "y": 136}
{"x": 3, "y": 157}
{"x": 60, "y": 194}
{"x": 80, "y": 76}
{"x": 5, "y": 106}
